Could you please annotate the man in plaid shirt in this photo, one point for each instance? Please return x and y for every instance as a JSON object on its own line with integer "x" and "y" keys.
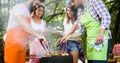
{"x": 99, "y": 13}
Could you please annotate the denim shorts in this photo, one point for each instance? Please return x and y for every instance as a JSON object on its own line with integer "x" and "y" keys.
{"x": 72, "y": 45}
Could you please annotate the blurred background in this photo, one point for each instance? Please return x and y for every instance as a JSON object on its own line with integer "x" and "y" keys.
{"x": 54, "y": 16}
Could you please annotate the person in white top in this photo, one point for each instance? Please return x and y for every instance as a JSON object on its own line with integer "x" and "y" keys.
{"x": 37, "y": 48}
{"x": 73, "y": 45}
{"x": 17, "y": 31}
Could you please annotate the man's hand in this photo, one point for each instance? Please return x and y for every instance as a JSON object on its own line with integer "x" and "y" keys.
{"x": 100, "y": 37}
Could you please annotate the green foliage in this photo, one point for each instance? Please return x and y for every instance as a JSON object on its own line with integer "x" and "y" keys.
{"x": 2, "y": 25}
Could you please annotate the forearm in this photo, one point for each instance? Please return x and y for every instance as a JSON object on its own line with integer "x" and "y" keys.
{"x": 74, "y": 35}
{"x": 100, "y": 37}
{"x": 71, "y": 31}
{"x": 59, "y": 33}
{"x": 26, "y": 26}
{"x": 102, "y": 31}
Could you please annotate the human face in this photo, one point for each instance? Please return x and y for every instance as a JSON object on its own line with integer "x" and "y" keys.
{"x": 40, "y": 12}
{"x": 76, "y": 3}
{"x": 69, "y": 12}
{"x": 34, "y": 3}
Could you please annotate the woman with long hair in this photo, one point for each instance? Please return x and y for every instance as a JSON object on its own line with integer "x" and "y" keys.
{"x": 38, "y": 48}
{"x": 72, "y": 46}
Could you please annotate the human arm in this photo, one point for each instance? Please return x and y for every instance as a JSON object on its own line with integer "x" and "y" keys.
{"x": 20, "y": 14}
{"x": 57, "y": 32}
{"x": 75, "y": 31}
{"x": 103, "y": 13}
{"x": 27, "y": 27}
{"x": 68, "y": 35}
{"x": 79, "y": 31}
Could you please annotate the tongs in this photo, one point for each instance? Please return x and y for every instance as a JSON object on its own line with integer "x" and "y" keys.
{"x": 44, "y": 46}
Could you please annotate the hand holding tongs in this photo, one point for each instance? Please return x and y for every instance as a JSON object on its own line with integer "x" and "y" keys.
{"x": 44, "y": 45}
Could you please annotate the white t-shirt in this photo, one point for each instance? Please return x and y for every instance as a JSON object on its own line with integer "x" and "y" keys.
{"x": 19, "y": 9}
{"x": 68, "y": 26}
{"x": 38, "y": 27}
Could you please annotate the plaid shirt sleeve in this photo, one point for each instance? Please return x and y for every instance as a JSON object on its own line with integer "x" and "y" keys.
{"x": 80, "y": 28}
{"x": 102, "y": 12}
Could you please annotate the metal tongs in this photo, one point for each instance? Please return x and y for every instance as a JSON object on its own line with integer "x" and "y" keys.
{"x": 44, "y": 46}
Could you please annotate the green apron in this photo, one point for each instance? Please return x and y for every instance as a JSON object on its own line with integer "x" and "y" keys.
{"x": 92, "y": 26}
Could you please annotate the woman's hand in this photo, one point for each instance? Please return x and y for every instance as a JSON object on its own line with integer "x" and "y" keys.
{"x": 39, "y": 36}
{"x": 45, "y": 41}
{"x": 63, "y": 39}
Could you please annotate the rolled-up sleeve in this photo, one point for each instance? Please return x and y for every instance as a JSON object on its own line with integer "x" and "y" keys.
{"x": 103, "y": 13}
{"x": 80, "y": 28}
